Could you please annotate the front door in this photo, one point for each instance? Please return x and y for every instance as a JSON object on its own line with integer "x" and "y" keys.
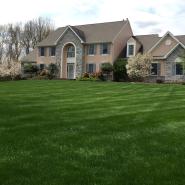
{"x": 70, "y": 71}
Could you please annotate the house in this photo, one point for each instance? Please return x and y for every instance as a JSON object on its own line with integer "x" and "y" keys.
{"x": 166, "y": 51}
{"x": 83, "y": 48}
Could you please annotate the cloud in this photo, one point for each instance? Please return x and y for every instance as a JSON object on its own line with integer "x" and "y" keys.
{"x": 145, "y": 24}
{"x": 146, "y": 16}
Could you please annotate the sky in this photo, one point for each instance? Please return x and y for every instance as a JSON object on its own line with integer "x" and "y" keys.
{"x": 146, "y": 16}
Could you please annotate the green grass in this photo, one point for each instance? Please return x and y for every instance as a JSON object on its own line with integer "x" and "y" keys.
{"x": 90, "y": 133}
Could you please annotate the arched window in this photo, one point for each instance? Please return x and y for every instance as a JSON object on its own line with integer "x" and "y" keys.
{"x": 71, "y": 52}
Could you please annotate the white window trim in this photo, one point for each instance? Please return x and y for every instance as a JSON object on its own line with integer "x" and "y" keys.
{"x": 131, "y": 44}
{"x": 105, "y": 54}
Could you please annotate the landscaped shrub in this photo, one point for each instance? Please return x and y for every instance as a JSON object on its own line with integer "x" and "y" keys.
{"x": 44, "y": 72}
{"x": 91, "y": 77}
{"x": 159, "y": 81}
{"x": 139, "y": 67}
{"x": 10, "y": 70}
{"x": 120, "y": 71}
{"x": 85, "y": 75}
{"x": 38, "y": 77}
{"x": 52, "y": 71}
{"x": 106, "y": 67}
{"x": 30, "y": 68}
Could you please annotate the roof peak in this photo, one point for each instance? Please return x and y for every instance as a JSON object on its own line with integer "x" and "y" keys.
{"x": 124, "y": 20}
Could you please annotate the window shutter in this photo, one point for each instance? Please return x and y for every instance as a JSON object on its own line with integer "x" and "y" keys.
{"x": 109, "y": 48}
{"x": 101, "y": 49}
{"x": 173, "y": 69}
{"x": 87, "y": 68}
{"x": 50, "y": 51}
{"x": 94, "y": 68}
{"x": 87, "y": 50}
{"x": 158, "y": 69}
{"x": 39, "y": 52}
{"x": 95, "y": 49}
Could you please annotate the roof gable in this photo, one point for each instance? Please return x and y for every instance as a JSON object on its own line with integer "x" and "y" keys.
{"x": 75, "y": 31}
{"x": 164, "y": 37}
{"x": 164, "y": 46}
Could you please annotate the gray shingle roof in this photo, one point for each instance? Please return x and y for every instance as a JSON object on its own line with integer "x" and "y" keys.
{"x": 90, "y": 33}
{"x": 52, "y": 38}
{"x": 181, "y": 38}
{"x": 148, "y": 41}
{"x": 31, "y": 57}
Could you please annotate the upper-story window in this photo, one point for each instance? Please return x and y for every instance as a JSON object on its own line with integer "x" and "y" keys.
{"x": 71, "y": 52}
{"x": 105, "y": 48}
{"x": 131, "y": 50}
{"x": 42, "y": 51}
{"x": 91, "y": 49}
{"x": 52, "y": 51}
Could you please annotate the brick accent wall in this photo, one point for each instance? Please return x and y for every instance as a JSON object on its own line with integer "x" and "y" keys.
{"x": 169, "y": 68}
{"x": 68, "y": 37}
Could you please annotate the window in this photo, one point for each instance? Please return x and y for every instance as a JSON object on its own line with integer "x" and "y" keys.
{"x": 71, "y": 52}
{"x": 91, "y": 50}
{"x": 91, "y": 68}
{"x": 104, "y": 49}
{"x": 42, "y": 66}
{"x": 42, "y": 51}
{"x": 130, "y": 50}
{"x": 179, "y": 68}
{"x": 52, "y": 51}
{"x": 154, "y": 69}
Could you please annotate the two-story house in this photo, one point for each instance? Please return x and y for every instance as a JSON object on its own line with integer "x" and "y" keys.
{"x": 83, "y": 48}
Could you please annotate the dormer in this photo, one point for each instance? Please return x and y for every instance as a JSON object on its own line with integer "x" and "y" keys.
{"x": 131, "y": 47}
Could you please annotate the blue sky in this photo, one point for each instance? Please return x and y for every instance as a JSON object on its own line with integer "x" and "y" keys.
{"x": 146, "y": 16}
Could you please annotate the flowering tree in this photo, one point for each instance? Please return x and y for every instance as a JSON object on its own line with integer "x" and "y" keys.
{"x": 10, "y": 70}
{"x": 139, "y": 66}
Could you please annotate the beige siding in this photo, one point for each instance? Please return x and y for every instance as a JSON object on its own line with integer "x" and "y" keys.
{"x": 120, "y": 41}
{"x": 98, "y": 58}
{"x": 162, "y": 49}
{"x": 45, "y": 59}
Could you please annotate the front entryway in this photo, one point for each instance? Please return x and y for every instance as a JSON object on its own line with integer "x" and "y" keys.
{"x": 70, "y": 71}
{"x": 68, "y": 62}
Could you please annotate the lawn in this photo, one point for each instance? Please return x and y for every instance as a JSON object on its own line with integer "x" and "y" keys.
{"x": 91, "y": 133}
